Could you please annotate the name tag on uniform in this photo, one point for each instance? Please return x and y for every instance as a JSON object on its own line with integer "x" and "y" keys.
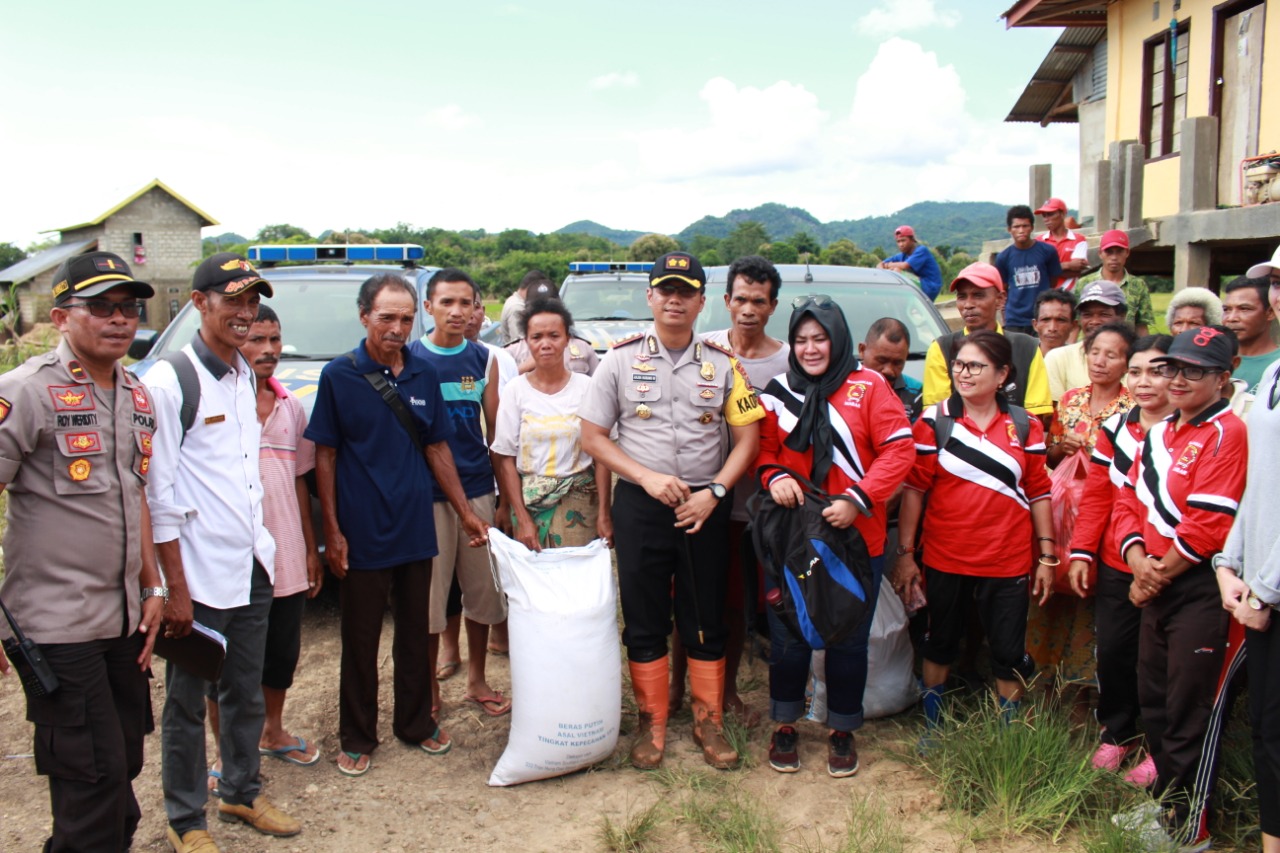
{"x": 215, "y": 419}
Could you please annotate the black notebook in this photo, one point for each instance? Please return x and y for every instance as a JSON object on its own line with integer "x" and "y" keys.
{"x": 200, "y": 653}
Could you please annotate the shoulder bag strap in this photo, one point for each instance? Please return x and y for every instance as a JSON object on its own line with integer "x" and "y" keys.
{"x": 391, "y": 397}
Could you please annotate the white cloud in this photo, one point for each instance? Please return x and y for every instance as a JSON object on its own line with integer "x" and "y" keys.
{"x": 748, "y": 131}
{"x": 615, "y": 79}
{"x": 900, "y": 16}
{"x": 451, "y": 117}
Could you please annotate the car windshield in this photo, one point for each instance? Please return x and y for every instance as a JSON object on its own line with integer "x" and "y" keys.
{"x": 318, "y": 318}
{"x": 863, "y": 304}
{"x": 606, "y": 299}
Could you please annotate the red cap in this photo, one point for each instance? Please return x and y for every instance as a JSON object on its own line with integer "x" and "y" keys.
{"x": 1114, "y": 237}
{"x": 980, "y": 275}
{"x": 1051, "y": 205}
{"x": 904, "y": 231}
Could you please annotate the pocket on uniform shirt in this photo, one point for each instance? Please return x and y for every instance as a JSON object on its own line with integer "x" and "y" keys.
{"x": 78, "y": 463}
{"x": 649, "y": 395}
{"x": 63, "y": 739}
{"x": 711, "y": 398}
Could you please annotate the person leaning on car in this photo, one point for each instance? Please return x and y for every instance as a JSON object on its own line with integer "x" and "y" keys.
{"x": 80, "y": 573}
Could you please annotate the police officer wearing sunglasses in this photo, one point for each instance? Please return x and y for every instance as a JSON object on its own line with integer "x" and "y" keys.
{"x": 80, "y": 572}
{"x": 687, "y": 428}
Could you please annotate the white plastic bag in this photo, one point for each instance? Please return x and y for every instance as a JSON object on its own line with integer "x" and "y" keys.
{"x": 891, "y": 682}
{"x": 566, "y": 677}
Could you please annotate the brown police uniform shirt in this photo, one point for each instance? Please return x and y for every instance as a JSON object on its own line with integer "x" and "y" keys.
{"x": 671, "y": 413}
{"x": 75, "y": 466}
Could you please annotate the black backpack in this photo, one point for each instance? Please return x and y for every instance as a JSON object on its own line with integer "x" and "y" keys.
{"x": 1025, "y": 348}
{"x": 823, "y": 573}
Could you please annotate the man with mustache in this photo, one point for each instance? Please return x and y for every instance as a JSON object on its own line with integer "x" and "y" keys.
{"x": 284, "y": 458}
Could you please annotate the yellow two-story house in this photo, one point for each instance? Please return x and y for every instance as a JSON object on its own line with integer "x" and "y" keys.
{"x": 1178, "y": 104}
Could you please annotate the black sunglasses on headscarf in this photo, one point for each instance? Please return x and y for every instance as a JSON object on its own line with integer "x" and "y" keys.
{"x": 819, "y": 300}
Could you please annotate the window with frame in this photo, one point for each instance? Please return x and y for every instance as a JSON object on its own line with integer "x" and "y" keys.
{"x": 1164, "y": 90}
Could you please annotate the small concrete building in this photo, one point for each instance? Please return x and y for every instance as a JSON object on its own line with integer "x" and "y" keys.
{"x": 155, "y": 230}
{"x": 1179, "y": 114}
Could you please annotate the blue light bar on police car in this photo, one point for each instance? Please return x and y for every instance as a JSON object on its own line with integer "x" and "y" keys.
{"x": 395, "y": 252}
{"x": 610, "y": 266}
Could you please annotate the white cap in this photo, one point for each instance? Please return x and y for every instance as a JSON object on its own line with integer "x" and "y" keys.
{"x": 1264, "y": 269}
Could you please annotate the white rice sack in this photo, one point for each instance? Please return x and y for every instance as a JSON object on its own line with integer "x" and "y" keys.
{"x": 566, "y": 677}
{"x": 891, "y": 682}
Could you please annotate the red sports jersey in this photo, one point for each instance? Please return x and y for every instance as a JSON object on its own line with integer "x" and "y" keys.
{"x": 1185, "y": 487}
{"x": 871, "y": 452}
{"x": 1069, "y": 247}
{"x": 981, "y": 487}
{"x": 1094, "y": 538}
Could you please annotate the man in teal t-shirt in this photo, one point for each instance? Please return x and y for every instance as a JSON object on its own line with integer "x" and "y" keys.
{"x": 1247, "y": 312}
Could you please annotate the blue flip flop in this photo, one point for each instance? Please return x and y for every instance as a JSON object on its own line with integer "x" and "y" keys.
{"x": 439, "y": 750}
{"x": 299, "y": 745}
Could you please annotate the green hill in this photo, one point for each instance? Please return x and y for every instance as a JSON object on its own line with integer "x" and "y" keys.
{"x": 595, "y": 229}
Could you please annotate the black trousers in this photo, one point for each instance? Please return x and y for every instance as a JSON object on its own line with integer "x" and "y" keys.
{"x": 88, "y": 741}
{"x": 1263, "y": 649}
{"x": 1117, "y": 623}
{"x": 652, "y": 552}
{"x": 364, "y": 602}
{"x": 1185, "y": 664}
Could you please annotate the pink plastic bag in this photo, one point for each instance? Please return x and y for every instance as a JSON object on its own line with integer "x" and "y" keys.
{"x": 1068, "y": 481}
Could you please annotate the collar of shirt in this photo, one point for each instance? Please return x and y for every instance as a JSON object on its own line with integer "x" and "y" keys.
{"x": 76, "y": 372}
{"x": 651, "y": 333}
{"x": 277, "y": 388}
{"x": 213, "y": 363}
{"x": 1213, "y": 410}
{"x": 366, "y": 364}
{"x": 955, "y": 403}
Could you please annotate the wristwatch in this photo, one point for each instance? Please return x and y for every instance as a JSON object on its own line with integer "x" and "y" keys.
{"x": 1256, "y": 603}
{"x": 718, "y": 491}
{"x": 152, "y": 591}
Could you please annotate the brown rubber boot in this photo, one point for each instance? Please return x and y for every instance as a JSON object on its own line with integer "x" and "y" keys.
{"x": 706, "y": 683}
{"x": 650, "y": 683}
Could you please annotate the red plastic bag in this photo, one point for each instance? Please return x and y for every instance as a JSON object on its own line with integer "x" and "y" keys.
{"x": 1068, "y": 481}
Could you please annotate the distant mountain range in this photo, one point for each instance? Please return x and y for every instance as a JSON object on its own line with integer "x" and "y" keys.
{"x": 961, "y": 224}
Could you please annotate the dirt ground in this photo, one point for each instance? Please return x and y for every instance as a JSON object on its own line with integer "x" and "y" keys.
{"x": 410, "y": 801}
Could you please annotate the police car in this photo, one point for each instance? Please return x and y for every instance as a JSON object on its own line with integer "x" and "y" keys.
{"x": 315, "y": 298}
{"x": 864, "y": 294}
{"x": 607, "y": 300}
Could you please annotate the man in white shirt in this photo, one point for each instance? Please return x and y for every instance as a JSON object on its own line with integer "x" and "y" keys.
{"x": 217, "y": 556}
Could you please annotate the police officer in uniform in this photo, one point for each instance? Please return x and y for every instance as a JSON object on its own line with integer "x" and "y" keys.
{"x": 679, "y": 403}
{"x": 80, "y": 572}
{"x": 579, "y": 355}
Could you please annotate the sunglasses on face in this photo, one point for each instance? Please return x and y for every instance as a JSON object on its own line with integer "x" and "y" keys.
{"x": 105, "y": 308}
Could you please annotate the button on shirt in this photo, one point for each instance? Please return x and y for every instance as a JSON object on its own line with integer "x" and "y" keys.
{"x": 671, "y": 410}
{"x": 384, "y": 488}
{"x": 206, "y": 491}
{"x": 75, "y": 459}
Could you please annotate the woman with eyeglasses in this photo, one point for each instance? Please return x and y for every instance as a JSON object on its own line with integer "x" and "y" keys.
{"x": 842, "y": 425}
{"x": 981, "y": 461}
{"x": 1097, "y": 567}
{"x": 1248, "y": 571}
{"x": 1060, "y": 635}
{"x": 1174, "y": 515}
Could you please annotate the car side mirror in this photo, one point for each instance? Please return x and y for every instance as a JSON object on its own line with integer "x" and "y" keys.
{"x": 143, "y": 341}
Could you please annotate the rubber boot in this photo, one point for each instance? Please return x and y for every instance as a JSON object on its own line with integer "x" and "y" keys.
{"x": 650, "y": 683}
{"x": 706, "y": 683}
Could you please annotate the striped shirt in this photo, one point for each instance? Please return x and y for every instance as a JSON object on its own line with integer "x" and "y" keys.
{"x": 1185, "y": 488}
{"x": 1095, "y": 538}
{"x": 981, "y": 486}
{"x": 283, "y": 456}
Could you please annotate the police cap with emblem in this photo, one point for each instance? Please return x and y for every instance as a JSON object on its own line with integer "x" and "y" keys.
{"x": 94, "y": 274}
{"x": 677, "y": 268}
{"x": 230, "y": 274}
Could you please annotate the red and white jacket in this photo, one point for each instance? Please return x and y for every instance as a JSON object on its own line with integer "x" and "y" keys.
{"x": 1185, "y": 487}
{"x": 1119, "y": 442}
{"x": 873, "y": 450}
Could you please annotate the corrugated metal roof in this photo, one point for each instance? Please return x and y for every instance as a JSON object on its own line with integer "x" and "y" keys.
{"x": 1047, "y": 95}
{"x": 27, "y": 269}
{"x": 1056, "y": 13}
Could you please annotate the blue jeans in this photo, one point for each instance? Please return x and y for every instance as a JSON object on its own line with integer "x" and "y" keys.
{"x": 790, "y": 658}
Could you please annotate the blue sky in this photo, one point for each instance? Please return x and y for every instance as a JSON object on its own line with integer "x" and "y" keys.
{"x": 515, "y": 114}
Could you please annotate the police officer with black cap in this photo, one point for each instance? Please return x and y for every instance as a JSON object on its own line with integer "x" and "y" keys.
{"x": 687, "y": 428}
{"x": 80, "y": 573}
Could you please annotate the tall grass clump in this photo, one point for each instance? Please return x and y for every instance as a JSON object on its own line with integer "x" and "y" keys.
{"x": 636, "y": 833}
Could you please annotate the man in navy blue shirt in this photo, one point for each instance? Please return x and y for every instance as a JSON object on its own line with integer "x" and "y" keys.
{"x": 1028, "y": 268}
{"x": 376, "y": 498}
{"x": 916, "y": 259}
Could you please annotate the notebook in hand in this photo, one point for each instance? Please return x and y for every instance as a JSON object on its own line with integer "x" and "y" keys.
{"x": 200, "y": 653}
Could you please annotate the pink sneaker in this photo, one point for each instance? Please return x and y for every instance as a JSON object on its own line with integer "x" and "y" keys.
{"x": 1110, "y": 756}
{"x": 1143, "y": 775}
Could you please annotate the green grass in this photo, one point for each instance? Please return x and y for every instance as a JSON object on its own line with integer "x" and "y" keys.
{"x": 870, "y": 827}
{"x": 1160, "y": 305}
{"x": 636, "y": 833}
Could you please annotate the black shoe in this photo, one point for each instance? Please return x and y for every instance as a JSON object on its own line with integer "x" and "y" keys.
{"x": 783, "y": 756}
{"x": 842, "y": 755}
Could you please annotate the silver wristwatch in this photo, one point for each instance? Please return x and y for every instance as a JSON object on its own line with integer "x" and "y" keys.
{"x": 151, "y": 591}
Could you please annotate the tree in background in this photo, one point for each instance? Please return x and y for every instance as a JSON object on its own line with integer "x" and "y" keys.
{"x": 282, "y": 233}
{"x": 650, "y": 247}
{"x": 780, "y": 252}
{"x": 805, "y": 243}
{"x": 10, "y": 255}
{"x": 745, "y": 239}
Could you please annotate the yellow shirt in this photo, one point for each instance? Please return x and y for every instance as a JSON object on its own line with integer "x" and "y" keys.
{"x": 937, "y": 380}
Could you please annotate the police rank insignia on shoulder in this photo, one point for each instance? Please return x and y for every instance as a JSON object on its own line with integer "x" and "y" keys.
{"x": 574, "y": 352}
{"x": 716, "y": 346}
{"x": 628, "y": 340}
{"x": 5, "y": 408}
{"x": 79, "y": 470}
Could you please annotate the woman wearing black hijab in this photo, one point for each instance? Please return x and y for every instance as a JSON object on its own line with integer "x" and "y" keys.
{"x": 843, "y": 426}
